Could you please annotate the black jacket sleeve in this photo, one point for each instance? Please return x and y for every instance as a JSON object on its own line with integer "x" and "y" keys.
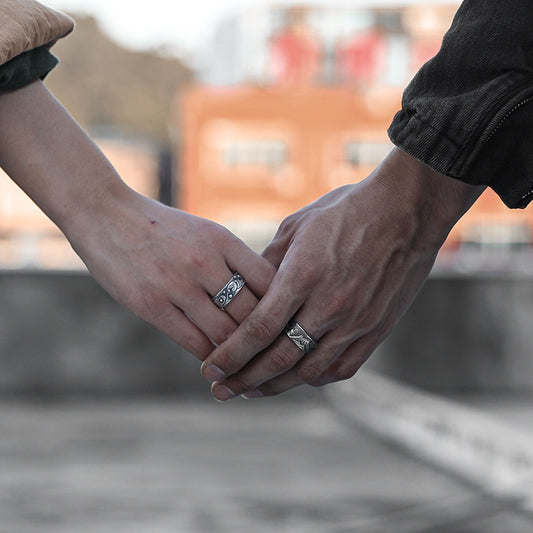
{"x": 468, "y": 113}
{"x": 26, "y": 68}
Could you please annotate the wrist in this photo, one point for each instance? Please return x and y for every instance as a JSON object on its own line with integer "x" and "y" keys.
{"x": 53, "y": 160}
{"x": 432, "y": 201}
{"x": 91, "y": 199}
{"x": 112, "y": 207}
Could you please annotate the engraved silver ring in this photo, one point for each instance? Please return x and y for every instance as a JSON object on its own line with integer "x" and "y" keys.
{"x": 229, "y": 291}
{"x": 300, "y": 337}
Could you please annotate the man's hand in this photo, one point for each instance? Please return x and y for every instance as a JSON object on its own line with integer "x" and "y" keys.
{"x": 349, "y": 265}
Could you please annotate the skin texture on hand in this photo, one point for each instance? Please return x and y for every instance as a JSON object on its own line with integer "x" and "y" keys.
{"x": 161, "y": 263}
{"x": 165, "y": 265}
{"x": 349, "y": 265}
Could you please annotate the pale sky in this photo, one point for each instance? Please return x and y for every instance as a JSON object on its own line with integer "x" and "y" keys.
{"x": 178, "y": 25}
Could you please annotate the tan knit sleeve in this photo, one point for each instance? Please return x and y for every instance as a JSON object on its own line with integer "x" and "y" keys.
{"x": 27, "y": 24}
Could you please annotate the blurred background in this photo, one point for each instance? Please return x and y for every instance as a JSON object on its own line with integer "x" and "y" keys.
{"x": 243, "y": 112}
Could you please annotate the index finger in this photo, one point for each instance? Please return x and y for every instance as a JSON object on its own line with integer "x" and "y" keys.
{"x": 259, "y": 330}
{"x": 257, "y": 271}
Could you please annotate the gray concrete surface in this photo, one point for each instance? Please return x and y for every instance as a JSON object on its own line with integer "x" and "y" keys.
{"x": 486, "y": 445}
{"x": 60, "y": 333}
{"x": 199, "y": 467}
{"x": 192, "y": 466}
{"x": 465, "y": 331}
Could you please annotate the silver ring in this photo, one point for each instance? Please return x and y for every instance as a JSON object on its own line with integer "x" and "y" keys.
{"x": 229, "y": 291}
{"x": 300, "y": 337}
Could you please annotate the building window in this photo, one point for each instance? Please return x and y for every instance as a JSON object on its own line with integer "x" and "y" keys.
{"x": 359, "y": 153}
{"x": 267, "y": 153}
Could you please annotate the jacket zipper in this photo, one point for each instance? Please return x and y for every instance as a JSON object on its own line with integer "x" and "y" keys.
{"x": 468, "y": 151}
{"x": 497, "y": 127}
{"x": 506, "y": 116}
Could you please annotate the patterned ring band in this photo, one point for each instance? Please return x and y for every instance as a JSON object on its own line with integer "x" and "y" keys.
{"x": 229, "y": 291}
{"x": 299, "y": 336}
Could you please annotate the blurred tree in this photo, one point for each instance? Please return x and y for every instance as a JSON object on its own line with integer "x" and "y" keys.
{"x": 106, "y": 86}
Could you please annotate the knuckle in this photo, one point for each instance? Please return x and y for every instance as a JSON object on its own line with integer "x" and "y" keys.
{"x": 261, "y": 329}
{"x": 196, "y": 345}
{"x": 196, "y": 261}
{"x": 338, "y": 304}
{"x": 346, "y": 373}
{"x": 279, "y": 361}
{"x": 151, "y": 307}
{"x": 223, "y": 333}
{"x": 286, "y": 225}
{"x": 368, "y": 320}
{"x": 239, "y": 384}
{"x": 368, "y": 351}
{"x": 193, "y": 260}
{"x": 307, "y": 275}
{"x": 310, "y": 372}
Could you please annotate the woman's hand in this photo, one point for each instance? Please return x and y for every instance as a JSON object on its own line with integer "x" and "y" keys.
{"x": 349, "y": 266}
{"x": 165, "y": 265}
{"x": 159, "y": 262}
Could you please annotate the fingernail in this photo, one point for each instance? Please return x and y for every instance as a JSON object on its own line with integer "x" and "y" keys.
{"x": 252, "y": 394}
{"x": 221, "y": 393}
{"x": 213, "y": 373}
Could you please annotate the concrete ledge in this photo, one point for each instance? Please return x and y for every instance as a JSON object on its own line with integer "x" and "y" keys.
{"x": 62, "y": 334}
{"x": 464, "y": 331}
{"x": 490, "y": 454}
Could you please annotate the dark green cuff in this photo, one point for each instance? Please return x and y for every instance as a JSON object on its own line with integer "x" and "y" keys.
{"x": 26, "y": 68}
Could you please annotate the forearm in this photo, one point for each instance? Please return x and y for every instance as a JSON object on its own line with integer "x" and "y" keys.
{"x": 52, "y": 159}
{"x": 159, "y": 262}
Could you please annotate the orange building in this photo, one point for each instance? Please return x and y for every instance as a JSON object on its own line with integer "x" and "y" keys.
{"x": 255, "y": 152}
{"x": 253, "y": 155}
{"x": 28, "y": 239}
{"x": 301, "y": 104}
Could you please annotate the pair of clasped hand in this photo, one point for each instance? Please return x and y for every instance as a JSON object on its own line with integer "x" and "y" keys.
{"x": 334, "y": 281}
{"x": 311, "y": 309}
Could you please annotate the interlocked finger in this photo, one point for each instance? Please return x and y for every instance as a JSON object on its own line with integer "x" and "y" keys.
{"x": 290, "y": 349}
{"x": 225, "y": 295}
{"x": 235, "y": 299}
{"x": 220, "y": 307}
{"x": 174, "y": 323}
{"x": 300, "y": 337}
{"x": 342, "y": 366}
